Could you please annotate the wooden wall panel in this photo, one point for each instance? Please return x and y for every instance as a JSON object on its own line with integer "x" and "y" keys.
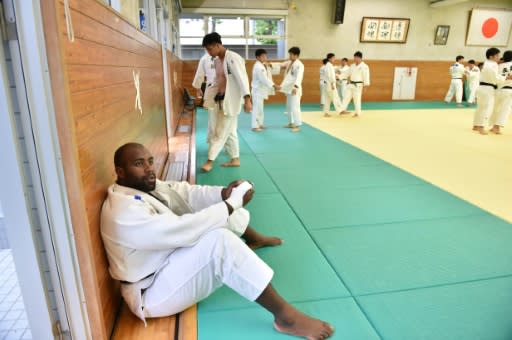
{"x": 431, "y": 84}
{"x": 94, "y": 91}
{"x": 175, "y": 69}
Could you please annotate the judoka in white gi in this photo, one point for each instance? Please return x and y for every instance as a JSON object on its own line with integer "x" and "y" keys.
{"x": 331, "y": 94}
{"x": 473, "y": 78}
{"x": 359, "y": 79}
{"x": 262, "y": 87}
{"x": 231, "y": 92}
{"x": 171, "y": 244}
{"x": 204, "y": 81}
{"x": 457, "y": 72}
{"x": 323, "y": 82}
{"x": 490, "y": 79}
{"x": 342, "y": 78}
{"x": 292, "y": 87}
{"x": 503, "y": 101}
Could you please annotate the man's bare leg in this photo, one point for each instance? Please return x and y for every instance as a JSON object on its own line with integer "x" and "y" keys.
{"x": 206, "y": 167}
{"x": 234, "y": 162}
{"x": 256, "y": 240}
{"x": 289, "y": 320}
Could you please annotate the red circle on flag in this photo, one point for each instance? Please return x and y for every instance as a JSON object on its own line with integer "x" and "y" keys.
{"x": 490, "y": 27}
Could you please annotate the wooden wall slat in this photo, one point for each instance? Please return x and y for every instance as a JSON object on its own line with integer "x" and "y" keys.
{"x": 431, "y": 84}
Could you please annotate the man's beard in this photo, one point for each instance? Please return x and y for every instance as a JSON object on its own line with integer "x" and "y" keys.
{"x": 144, "y": 184}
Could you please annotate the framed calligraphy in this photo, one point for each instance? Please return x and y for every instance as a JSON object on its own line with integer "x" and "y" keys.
{"x": 385, "y": 30}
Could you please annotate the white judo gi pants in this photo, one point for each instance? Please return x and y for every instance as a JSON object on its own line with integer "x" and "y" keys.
{"x": 258, "y": 114}
{"x": 472, "y": 87}
{"x": 208, "y": 105}
{"x": 341, "y": 86}
{"x": 455, "y": 89}
{"x": 485, "y": 104}
{"x": 323, "y": 85}
{"x": 193, "y": 273}
{"x": 353, "y": 92}
{"x": 331, "y": 96}
{"x": 502, "y": 107}
{"x": 293, "y": 109}
{"x": 225, "y": 135}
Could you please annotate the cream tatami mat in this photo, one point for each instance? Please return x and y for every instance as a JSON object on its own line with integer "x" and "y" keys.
{"x": 436, "y": 145}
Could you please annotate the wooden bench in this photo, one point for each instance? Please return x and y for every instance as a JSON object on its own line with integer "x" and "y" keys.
{"x": 181, "y": 167}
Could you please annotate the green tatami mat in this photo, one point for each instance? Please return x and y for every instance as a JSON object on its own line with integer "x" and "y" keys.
{"x": 298, "y": 259}
{"x": 341, "y": 176}
{"x": 396, "y": 105}
{"x": 408, "y": 255}
{"x": 479, "y": 310}
{"x": 250, "y": 169}
{"x": 257, "y": 324}
{"x": 333, "y": 207}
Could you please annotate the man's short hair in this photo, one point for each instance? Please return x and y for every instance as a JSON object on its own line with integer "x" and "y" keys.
{"x": 491, "y": 52}
{"x": 324, "y": 61}
{"x": 294, "y": 50}
{"x": 345, "y": 59}
{"x": 260, "y": 51}
{"x": 507, "y": 56}
{"x": 471, "y": 61}
{"x": 358, "y": 54}
{"x": 330, "y": 55}
{"x": 119, "y": 154}
{"x": 211, "y": 39}
{"x": 459, "y": 57}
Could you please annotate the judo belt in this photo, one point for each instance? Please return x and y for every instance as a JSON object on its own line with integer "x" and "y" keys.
{"x": 488, "y": 84}
{"x": 507, "y": 87}
{"x": 456, "y": 78}
{"x": 356, "y": 82}
{"x": 128, "y": 282}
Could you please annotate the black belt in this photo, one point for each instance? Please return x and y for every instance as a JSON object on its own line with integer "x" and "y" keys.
{"x": 488, "y": 84}
{"x": 356, "y": 82}
{"x": 128, "y": 282}
{"x": 507, "y": 87}
{"x": 456, "y": 78}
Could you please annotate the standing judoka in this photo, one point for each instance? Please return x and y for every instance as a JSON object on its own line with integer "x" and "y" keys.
{"x": 473, "y": 78}
{"x": 331, "y": 94}
{"x": 262, "y": 87}
{"x": 490, "y": 79}
{"x": 359, "y": 79}
{"x": 503, "y": 102}
{"x": 292, "y": 87}
{"x": 457, "y": 71}
{"x": 204, "y": 81}
{"x": 323, "y": 83}
{"x": 231, "y": 91}
{"x": 171, "y": 244}
{"x": 342, "y": 78}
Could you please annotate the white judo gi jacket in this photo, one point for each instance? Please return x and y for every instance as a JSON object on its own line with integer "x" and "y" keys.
{"x": 293, "y": 77}
{"x": 262, "y": 84}
{"x": 205, "y": 68}
{"x": 140, "y": 231}
{"x": 237, "y": 83}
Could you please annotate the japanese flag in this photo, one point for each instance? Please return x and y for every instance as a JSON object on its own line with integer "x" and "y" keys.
{"x": 488, "y": 27}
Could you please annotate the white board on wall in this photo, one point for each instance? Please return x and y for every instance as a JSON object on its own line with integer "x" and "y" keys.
{"x": 489, "y": 27}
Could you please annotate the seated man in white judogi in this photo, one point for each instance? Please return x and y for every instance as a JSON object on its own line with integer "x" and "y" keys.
{"x": 171, "y": 244}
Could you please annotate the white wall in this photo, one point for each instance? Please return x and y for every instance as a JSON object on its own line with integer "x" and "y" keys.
{"x": 310, "y": 27}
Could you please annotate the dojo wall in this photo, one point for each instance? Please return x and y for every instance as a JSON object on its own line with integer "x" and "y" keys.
{"x": 310, "y": 27}
{"x": 94, "y": 96}
{"x": 431, "y": 84}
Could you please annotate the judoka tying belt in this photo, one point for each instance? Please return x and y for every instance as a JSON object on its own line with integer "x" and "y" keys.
{"x": 171, "y": 244}
{"x": 230, "y": 91}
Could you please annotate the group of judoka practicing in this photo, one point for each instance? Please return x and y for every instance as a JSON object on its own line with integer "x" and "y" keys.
{"x": 171, "y": 244}
{"x": 489, "y": 84}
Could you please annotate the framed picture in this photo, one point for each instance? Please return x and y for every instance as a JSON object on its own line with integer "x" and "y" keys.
{"x": 489, "y": 27}
{"x": 384, "y": 30}
{"x": 441, "y": 36}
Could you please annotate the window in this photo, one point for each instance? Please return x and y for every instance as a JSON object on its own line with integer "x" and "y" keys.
{"x": 242, "y": 34}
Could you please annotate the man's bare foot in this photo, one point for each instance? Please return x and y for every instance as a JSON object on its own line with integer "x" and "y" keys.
{"x": 295, "y": 129}
{"x": 257, "y": 129}
{"x": 481, "y": 130}
{"x": 234, "y": 162}
{"x": 302, "y": 325}
{"x": 355, "y": 115}
{"x": 475, "y": 128}
{"x": 344, "y": 112}
{"x": 263, "y": 127}
{"x": 265, "y": 241}
{"x": 206, "y": 167}
{"x": 289, "y": 126}
{"x": 326, "y": 115}
{"x": 495, "y": 130}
